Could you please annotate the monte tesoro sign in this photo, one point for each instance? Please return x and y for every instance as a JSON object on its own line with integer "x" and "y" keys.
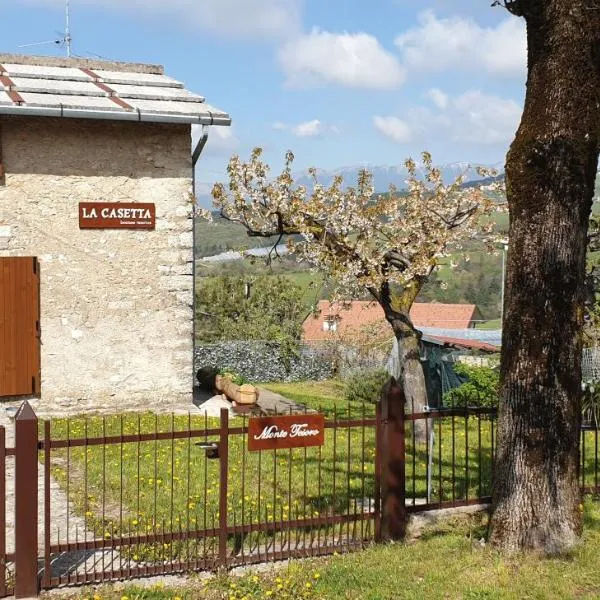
{"x": 116, "y": 215}
{"x": 286, "y": 431}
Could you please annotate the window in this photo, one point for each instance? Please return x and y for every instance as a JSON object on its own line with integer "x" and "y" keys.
{"x": 329, "y": 324}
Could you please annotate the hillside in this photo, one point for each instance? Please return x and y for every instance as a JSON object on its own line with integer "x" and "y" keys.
{"x": 221, "y": 235}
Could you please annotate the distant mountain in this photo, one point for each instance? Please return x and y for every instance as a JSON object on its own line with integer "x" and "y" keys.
{"x": 384, "y": 176}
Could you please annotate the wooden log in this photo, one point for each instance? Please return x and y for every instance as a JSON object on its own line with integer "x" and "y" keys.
{"x": 244, "y": 394}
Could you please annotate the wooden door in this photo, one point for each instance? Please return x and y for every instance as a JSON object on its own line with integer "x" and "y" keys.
{"x": 19, "y": 326}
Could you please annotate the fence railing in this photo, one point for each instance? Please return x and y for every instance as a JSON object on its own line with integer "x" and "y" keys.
{"x": 194, "y": 497}
{"x": 138, "y": 495}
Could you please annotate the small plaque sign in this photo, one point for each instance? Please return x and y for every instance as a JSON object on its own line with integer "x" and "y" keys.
{"x": 116, "y": 215}
{"x": 287, "y": 431}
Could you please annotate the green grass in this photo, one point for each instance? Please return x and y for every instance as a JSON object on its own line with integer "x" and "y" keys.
{"x": 323, "y": 396}
{"x": 157, "y": 486}
{"x": 492, "y": 324}
{"x": 447, "y": 563}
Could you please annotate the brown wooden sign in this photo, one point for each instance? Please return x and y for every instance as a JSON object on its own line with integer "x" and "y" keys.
{"x": 288, "y": 431}
{"x": 116, "y": 215}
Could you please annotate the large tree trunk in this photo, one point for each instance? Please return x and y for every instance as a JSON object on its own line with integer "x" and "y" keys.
{"x": 550, "y": 171}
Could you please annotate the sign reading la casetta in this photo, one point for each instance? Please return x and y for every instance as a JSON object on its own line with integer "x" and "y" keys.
{"x": 116, "y": 215}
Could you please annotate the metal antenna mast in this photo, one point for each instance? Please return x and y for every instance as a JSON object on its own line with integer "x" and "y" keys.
{"x": 68, "y": 38}
{"x": 65, "y": 39}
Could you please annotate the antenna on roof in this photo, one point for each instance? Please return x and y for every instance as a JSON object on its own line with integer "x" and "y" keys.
{"x": 65, "y": 40}
{"x": 68, "y": 39}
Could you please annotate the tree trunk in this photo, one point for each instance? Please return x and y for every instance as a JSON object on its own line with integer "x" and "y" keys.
{"x": 411, "y": 377}
{"x": 550, "y": 172}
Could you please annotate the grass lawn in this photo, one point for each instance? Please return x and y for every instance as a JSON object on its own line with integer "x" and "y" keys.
{"x": 323, "y": 396}
{"x": 154, "y": 487}
{"x": 160, "y": 486}
{"x": 447, "y": 563}
{"x": 492, "y": 324}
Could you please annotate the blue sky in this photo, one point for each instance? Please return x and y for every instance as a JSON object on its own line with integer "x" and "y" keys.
{"x": 340, "y": 82}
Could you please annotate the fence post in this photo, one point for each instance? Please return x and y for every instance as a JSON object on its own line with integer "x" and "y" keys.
{"x": 393, "y": 482}
{"x": 2, "y": 511}
{"x": 224, "y": 469}
{"x": 26, "y": 502}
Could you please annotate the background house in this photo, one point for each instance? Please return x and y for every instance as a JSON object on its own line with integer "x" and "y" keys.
{"x": 346, "y": 318}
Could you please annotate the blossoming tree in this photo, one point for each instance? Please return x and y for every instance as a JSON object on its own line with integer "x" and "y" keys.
{"x": 386, "y": 245}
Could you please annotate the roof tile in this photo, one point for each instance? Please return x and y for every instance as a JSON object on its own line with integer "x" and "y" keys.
{"x": 147, "y": 79}
{"x": 70, "y": 101}
{"x": 80, "y": 88}
{"x": 43, "y": 72}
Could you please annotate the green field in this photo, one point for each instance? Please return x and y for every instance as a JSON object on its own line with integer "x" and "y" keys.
{"x": 493, "y": 324}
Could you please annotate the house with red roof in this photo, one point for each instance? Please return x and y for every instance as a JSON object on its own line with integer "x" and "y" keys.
{"x": 343, "y": 318}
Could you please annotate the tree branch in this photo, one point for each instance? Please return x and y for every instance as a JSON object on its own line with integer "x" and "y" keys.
{"x": 514, "y": 7}
{"x": 395, "y": 259}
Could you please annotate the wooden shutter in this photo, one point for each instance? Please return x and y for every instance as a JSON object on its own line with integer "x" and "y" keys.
{"x": 19, "y": 326}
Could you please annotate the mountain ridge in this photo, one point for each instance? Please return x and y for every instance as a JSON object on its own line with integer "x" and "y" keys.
{"x": 383, "y": 175}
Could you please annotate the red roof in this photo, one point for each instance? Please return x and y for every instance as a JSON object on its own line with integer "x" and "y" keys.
{"x": 445, "y": 316}
{"x": 352, "y": 316}
{"x": 463, "y": 343}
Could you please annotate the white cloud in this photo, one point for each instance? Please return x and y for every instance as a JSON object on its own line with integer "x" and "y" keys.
{"x": 471, "y": 118}
{"x": 235, "y": 18}
{"x": 394, "y": 128}
{"x": 484, "y": 118}
{"x": 312, "y": 128}
{"x": 438, "y": 98}
{"x": 222, "y": 141}
{"x": 459, "y": 42}
{"x": 308, "y": 129}
{"x": 349, "y": 59}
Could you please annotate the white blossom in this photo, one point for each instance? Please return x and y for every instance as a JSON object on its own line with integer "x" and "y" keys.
{"x": 361, "y": 241}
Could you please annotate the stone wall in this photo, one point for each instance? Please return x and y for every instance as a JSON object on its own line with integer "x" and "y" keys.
{"x": 116, "y": 305}
{"x": 260, "y": 361}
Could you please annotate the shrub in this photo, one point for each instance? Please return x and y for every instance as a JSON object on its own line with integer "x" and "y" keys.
{"x": 590, "y": 402}
{"x": 481, "y": 388}
{"x": 365, "y": 385}
{"x": 233, "y": 376}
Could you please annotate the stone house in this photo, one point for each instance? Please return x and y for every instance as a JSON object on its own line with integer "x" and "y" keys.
{"x": 96, "y": 233}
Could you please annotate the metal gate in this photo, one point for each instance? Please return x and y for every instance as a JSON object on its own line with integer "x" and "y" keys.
{"x": 19, "y": 326}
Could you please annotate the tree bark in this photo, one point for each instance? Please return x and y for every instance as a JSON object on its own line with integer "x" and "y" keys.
{"x": 550, "y": 173}
{"x": 411, "y": 377}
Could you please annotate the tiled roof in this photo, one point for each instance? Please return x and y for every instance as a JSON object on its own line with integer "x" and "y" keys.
{"x": 359, "y": 313}
{"x": 449, "y": 316}
{"x": 100, "y": 90}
